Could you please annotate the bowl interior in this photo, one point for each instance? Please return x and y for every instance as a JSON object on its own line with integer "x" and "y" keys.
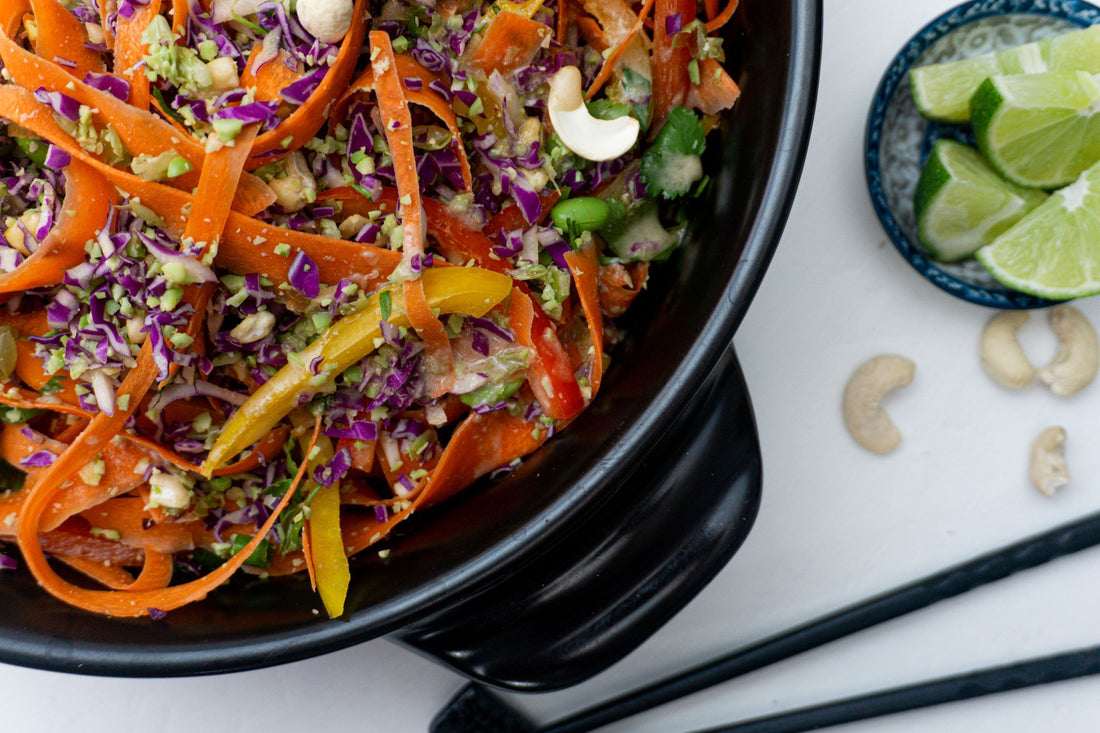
{"x": 899, "y": 139}
{"x": 678, "y": 331}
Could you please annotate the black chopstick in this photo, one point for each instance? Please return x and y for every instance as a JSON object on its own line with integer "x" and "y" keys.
{"x": 1039, "y": 671}
{"x": 463, "y": 713}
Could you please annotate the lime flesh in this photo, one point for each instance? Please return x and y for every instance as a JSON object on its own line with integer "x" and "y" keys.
{"x": 962, "y": 204}
{"x": 1053, "y": 252}
{"x": 1038, "y": 130}
{"x": 942, "y": 91}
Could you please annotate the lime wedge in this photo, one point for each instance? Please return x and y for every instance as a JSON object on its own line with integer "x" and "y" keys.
{"x": 1053, "y": 252}
{"x": 961, "y": 204}
{"x": 1038, "y": 130}
{"x": 942, "y": 91}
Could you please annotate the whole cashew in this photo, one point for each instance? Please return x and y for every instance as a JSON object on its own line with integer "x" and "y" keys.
{"x": 864, "y": 417}
{"x": 587, "y": 136}
{"x": 1048, "y": 471}
{"x": 1002, "y": 358}
{"x": 328, "y": 20}
{"x": 1078, "y": 356}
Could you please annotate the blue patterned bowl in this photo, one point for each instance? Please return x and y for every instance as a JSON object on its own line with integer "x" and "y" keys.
{"x": 898, "y": 139}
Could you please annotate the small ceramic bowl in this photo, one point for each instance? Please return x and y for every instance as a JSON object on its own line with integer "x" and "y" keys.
{"x": 898, "y": 139}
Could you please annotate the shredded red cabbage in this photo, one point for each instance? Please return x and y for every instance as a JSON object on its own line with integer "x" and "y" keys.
{"x": 406, "y": 483}
{"x": 38, "y": 459}
{"x": 65, "y": 106}
{"x": 298, "y": 92}
{"x": 484, "y": 324}
{"x": 335, "y": 469}
{"x": 479, "y": 342}
{"x": 113, "y": 85}
{"x": 304, "y": 276}
{"x": 356, "y": 430}
{"x": 265, "y": 112}
{"x": 56, "y": 158}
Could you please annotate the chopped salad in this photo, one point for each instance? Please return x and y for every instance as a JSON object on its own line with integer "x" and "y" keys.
{"x": 277, "y": 274}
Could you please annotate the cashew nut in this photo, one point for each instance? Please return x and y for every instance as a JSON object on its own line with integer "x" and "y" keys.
{"x": 352, "y": 225}
{"x": 864, "y": 417}
{"x": 327, "y": 20}
{"x": 1048, "y": 471}
{"x": 168, "y": 491}
{"x": 298, "y": 187}
{"x": 253, "y": 327}
{"x": 1078, "y": 356}
{"x": 223, "y": 74}
{"x": 95, "y": 33}
{"x": 585, "y": 135}
{"x": 530, "y": 132}
{"x": 1002, "y": 358}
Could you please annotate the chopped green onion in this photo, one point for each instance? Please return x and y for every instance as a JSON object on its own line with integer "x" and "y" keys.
{"x": 226, "y": 129}
{"x": 385, "y": 305}
{"x": 178, "y": 166}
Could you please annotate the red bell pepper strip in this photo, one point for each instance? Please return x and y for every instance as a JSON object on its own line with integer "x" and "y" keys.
{"x": 548, "y": 372}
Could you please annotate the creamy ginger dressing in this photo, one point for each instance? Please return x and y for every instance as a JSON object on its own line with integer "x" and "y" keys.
{"x": 682, "y": 170}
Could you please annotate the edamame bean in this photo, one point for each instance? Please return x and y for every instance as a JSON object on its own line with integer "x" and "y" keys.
{"x": 582, "y": 214}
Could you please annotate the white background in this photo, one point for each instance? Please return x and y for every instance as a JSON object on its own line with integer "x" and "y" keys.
{"x": 836, "y": 523}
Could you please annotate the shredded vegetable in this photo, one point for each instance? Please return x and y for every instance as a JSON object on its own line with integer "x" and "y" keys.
{"x": 267, "y": 294}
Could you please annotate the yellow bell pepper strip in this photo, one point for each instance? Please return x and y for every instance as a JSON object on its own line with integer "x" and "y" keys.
{"x": 322, "y": 542}
{"x": 330, "y": 563}
{"x": 468, "y": 290}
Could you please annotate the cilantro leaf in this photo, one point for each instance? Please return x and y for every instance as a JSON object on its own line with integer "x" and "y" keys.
{"x": 682, "y": 133}
{"x": 671, "y": 164}
{"x": 605, "y": 109}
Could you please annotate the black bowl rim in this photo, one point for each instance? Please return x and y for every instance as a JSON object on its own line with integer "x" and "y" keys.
{"x": 91, "y": 657}
{"x": 1079, "y": 12}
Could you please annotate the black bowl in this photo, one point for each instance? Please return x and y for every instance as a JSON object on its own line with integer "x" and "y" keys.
{"x": 546, "y": 576}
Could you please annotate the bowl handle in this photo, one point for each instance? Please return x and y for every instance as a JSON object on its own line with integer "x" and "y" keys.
{"x": 622, "y": 573}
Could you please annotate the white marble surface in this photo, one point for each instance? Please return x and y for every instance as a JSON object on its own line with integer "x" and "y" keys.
{"x": 836, "y": 523}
